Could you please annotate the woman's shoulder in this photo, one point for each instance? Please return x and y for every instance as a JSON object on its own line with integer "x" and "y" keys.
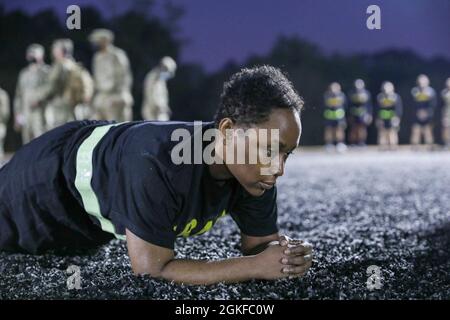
{"x": 163, "y": 139}
{"x": 152, "y": 147}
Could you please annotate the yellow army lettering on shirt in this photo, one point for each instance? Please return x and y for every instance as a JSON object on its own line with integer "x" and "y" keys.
{"x": 191, "y": 225}
{"x": 422, "y": 95}
{"x": 387, "y": 102}
{"x": 359, "y": 98}
{"x": 334, "y": 102}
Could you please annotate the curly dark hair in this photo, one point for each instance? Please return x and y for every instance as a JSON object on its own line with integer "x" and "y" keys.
{"x": 252, "y": 93}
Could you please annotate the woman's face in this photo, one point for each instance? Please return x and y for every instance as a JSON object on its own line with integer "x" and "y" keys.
{"x": 257, "y": 174}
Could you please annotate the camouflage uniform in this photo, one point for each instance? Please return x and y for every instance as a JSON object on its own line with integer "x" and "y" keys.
{"x": 31, "y": 78}
{"x": 446, "y": 107}
{"x": 445, "y": 94}
{"x": 4, "y": 117}
{"x": 156, "y": 95}
{"x": 82, "y": 93}
{"x": 112, "y": 80}
{"x": 55, "y": 93}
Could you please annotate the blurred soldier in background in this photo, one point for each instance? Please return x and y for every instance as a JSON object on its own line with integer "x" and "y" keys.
{"x": 425, "y": 102}
{"x": 334, "y": 115}
{"x": 112, "y": 79}
{"x": 30, "y": 121}
{"x": 156, "y": 95}
{"x": 360, "y": 113}
{"x": 82, "y": 86}
{"x": 4, "y": 118}
{"x": 446, "y": 114}
{"x": 65, "y": 86}
{"x": 389, "y": 115}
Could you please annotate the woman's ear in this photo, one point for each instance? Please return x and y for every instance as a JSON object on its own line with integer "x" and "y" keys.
{"x": 225, "y": 127}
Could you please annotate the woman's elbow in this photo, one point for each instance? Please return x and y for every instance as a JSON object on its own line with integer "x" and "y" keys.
{"x": 152, "y": 271}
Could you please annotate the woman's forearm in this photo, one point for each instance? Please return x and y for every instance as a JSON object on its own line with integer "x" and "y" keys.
{"x": 201, "y": 272}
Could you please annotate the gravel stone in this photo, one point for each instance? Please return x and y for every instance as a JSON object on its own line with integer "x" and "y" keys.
{"x": 359, "y": 209}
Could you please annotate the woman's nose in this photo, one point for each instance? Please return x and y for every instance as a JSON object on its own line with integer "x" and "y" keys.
{"x": 279, "y": 166}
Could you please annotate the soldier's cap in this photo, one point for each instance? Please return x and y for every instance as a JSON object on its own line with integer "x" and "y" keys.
{"x": 35, "y": 49}
{"x": 65, "y": 44}
{"x": 101, "y": 34}
{"x": 169, "y": 63}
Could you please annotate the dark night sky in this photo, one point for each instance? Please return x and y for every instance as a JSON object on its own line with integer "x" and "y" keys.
{"x": 220, "y": 30}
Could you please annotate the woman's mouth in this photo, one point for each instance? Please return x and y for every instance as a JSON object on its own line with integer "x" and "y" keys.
{"x": 266, "y": 185}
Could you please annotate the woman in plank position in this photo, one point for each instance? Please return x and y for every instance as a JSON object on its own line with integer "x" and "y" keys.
{"x": 86, "y": 182}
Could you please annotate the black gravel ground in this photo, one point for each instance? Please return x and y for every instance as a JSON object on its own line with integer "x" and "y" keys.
{"x": 359, "y": 209}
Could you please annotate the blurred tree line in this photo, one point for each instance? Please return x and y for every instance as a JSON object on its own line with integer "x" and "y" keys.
{"x": 194, "y": 93}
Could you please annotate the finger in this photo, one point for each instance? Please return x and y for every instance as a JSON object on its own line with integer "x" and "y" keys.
{"x": 297, "y": 260}
{"x": 302, "y": 271}
{"x": 303, "y": 249}
{"x": 308, "y": 265}
{"x": 307, "y": 245}
{"x": 296, "y": 276}
{"x": 273, "y": 243}
{"x": 284, "y": 240}
{"x": 295, "y": 242}
{"x": 297, "y": 250}
{"x": 294, "y": 270}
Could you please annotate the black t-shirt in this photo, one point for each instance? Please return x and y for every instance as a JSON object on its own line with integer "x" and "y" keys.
{"x": 132, "y": 183}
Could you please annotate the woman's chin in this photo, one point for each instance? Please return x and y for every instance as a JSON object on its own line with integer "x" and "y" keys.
{"x": 255, "y": 190}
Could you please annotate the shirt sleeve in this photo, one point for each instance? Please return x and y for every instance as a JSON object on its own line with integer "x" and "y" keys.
{"x": 256, "y": 216}
{"x": 143, "y": 200}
